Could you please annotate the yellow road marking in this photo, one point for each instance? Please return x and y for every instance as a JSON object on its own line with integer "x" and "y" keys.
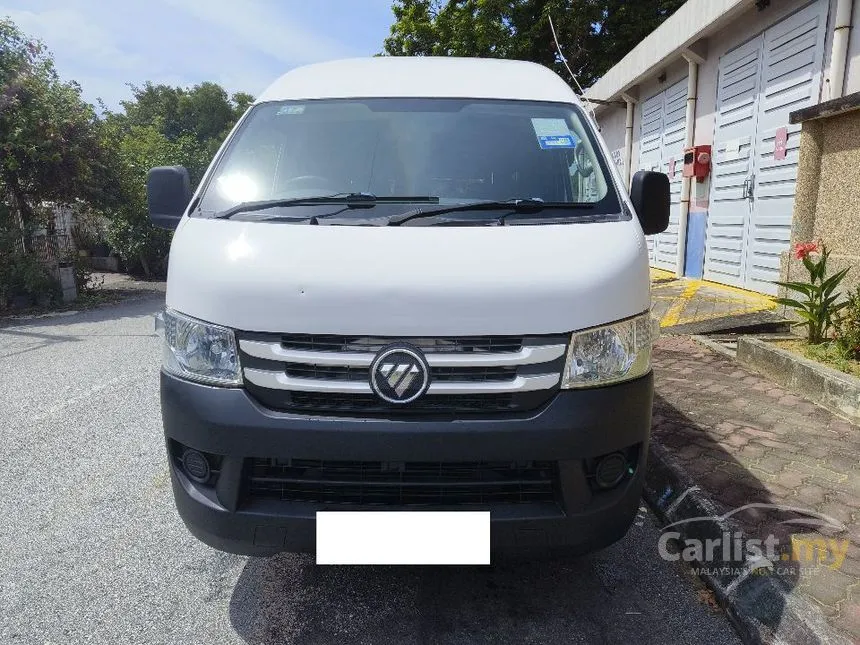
{"x": 674, "y": 313}
{"x": 766, "y": 301}
{"x": 707, "y": 294}
{"x": 662, "y": 274}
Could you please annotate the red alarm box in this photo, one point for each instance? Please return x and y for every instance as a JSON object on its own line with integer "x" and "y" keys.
{"x": 697, "y": 162}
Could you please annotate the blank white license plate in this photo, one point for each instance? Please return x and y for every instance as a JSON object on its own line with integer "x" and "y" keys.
{"x": 411, "y": 537}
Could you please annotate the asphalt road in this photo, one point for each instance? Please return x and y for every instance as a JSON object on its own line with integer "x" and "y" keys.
{"x": 92, "y": 550}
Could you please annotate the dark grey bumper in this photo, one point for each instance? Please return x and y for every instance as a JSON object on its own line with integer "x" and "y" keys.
{"x": 573, "y": 426}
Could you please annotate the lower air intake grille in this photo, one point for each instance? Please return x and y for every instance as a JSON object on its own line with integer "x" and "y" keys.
{"x": 322, "y": 402}
{"x": 403, "y": 483}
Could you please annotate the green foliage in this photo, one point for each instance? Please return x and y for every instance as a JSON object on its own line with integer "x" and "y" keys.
{"x": 204, "y": 112}
{"x": 23, "y": 275}
{"x": 830, "y": 353}
{"x": 594, "y": 34}
{"x": 818, "y": 304}
{"x": 142, "y": 246}
{"x": 55, "y": 148}
{"x": 51, "y": 148}
{"x": 847, "y": 327}
{"x": 85, "y": 281}
{"x": 162, "y": 126}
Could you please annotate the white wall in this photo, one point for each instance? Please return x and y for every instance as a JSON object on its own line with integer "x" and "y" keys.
{"x": 852, "y": 71}
{"x": 611, "y": 119}
{"x": 748, "y": 25}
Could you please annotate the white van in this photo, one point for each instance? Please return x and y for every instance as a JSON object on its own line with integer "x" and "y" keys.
{"x": 409, "y": 284}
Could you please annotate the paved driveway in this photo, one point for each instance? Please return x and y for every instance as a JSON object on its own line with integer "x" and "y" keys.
{"x": 91, "y": 548}
{"x": 686, "y": 303}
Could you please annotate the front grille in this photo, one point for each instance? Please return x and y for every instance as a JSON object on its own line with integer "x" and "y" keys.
{"x": 371, "y": 483}
{"x": 329, "y": 374}
{"x": 333, "y": 343}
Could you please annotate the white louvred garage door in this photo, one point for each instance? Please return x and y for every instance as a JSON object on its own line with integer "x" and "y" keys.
{"x": 752, "y": 190}
{"x": 661, "y": 148}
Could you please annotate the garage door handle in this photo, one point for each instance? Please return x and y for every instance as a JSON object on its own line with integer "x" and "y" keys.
{"x": 748, "y": 187}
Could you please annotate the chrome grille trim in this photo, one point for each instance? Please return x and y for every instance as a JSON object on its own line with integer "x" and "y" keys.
{"x": 276, "y": 352}
{"x": 528, "y": 355}
{"x": 281, "y": 381}
{"x": 530, "y": 383}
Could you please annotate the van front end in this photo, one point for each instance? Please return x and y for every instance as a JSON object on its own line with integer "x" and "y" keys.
{"x": 409, "y": 301}
{"x": 567, "y": 473}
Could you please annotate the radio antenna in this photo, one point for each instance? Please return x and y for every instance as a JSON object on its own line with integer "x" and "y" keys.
{"x": 567, "y": 67}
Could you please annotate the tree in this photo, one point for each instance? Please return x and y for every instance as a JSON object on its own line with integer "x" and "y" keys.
{"x": 51, "y": 144}
{"x": 624, "y": 25}
{"x": 241, "y": 102}
{"x": 594, "y": 34}
{"x": 205, "y": 112}
{"x": 55, "y": 148}
{"x": 162, "y": 126}
{"x": 139, "y": 148}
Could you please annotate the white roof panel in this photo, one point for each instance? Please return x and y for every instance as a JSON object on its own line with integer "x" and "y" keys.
{"x": 426, "y": 76}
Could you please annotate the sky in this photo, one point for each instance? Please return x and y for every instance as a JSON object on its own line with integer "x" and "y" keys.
{"x": 241, "y": 44}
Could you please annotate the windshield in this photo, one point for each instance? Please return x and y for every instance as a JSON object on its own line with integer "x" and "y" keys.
{"x": 457, "y": 150}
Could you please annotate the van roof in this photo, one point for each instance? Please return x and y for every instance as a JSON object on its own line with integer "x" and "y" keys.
{"x": 421, "y": 76}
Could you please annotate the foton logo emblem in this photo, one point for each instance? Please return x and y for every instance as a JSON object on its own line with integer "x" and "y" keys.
{"x": 399, "y": 374}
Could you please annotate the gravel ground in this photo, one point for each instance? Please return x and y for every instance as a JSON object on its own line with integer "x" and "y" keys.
{"x": 92, "y": 550}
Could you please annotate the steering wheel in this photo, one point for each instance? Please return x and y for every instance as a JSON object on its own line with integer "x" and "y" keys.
{"x": 584, "y": 164}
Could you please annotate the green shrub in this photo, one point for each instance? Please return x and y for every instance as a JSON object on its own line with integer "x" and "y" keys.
{"x": 25, "y": 276}
{"x": 847, "y": 326}
{"x": 84, "y": 279}
{"x": 817, "y": 302}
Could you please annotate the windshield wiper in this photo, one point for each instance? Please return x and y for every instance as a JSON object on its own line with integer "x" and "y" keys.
{"x": 516, "y": 206}
{"x": 352, "y": 200}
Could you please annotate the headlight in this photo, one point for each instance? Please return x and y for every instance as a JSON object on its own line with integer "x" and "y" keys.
{"x": 609, "y": 354}
{"x": 199, "y": 351}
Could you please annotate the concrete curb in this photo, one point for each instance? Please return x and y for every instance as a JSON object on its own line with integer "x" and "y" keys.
{"x": 761, "y": 607}
{"x": 759, "y": 322}
{"x": 714, "y": 346}
{"x": 833, "y": 390}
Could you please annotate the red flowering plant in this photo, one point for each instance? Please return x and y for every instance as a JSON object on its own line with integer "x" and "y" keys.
{"x": 816, "y": 303}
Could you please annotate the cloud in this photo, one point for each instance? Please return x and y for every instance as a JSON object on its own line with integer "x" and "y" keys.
{"x": 69, "y": 31}
{"x": 241, "y": 45}
{"x": 269, "y": 32}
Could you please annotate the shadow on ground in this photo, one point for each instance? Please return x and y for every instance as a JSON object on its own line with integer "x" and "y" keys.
{"x": 132, "y": 303}
{"x": 717, "y": 421}
{"x": 624, "y": 593}
{"x": 287, "y": 599}
{"x": 732, "y": 487}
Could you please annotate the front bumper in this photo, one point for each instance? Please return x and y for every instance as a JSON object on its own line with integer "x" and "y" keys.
{"x": 573, "y": 427}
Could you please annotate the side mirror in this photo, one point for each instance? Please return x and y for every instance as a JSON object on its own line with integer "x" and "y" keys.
{"x": 649, "y": 192}
{"x": 168, "y": 191}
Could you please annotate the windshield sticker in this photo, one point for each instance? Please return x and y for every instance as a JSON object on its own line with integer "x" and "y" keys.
{"x": 290, "y": 109}
{"x": 554, "y": 133}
